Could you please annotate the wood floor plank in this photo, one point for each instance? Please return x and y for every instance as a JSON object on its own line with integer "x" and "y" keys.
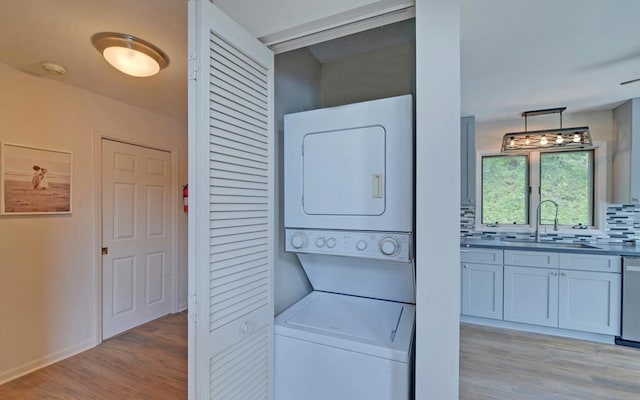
{"x": 146, "y": 363}
{"x": 503, "y": 364}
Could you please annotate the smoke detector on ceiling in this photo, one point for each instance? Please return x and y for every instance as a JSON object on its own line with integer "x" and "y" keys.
{"x": 53, "y": 68}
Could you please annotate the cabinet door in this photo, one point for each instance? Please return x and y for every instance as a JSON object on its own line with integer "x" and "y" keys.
{"x": 482, "y": 290}
{"x": 531, "y": 295}
{"x": 589, "y": 301}
{"x": 467, "y": 160}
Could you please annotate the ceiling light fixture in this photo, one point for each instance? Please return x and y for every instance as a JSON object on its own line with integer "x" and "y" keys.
{"x": 129, "y": 54}
{"x": 529, "y": 140}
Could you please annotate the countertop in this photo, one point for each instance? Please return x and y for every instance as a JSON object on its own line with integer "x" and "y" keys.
{"x": 596, "y": 248}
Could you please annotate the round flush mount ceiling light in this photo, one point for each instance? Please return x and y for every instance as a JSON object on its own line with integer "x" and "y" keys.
{"x": 129, "y": 54}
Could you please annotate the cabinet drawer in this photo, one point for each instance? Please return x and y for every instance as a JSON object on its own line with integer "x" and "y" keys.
{"x": 481, "y": 256}
{"x": 590, "y": 262}
{"x": 531, "y": 258}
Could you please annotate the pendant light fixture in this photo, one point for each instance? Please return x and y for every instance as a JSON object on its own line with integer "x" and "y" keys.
{"x": 129, "y": 54}
{"x": 549, "y": 138}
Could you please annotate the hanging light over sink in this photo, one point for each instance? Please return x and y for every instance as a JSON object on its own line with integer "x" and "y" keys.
{"x": 578, "y": 137}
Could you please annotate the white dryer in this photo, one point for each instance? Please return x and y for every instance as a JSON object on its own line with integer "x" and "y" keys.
{"x": 349, "y": 218}
{"x": 350, "y": 167}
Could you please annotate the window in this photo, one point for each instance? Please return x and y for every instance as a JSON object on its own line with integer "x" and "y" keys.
{"x": 567, "y": 179}
{"x": 514, "y": 185}
{"x": 505, "y": 190}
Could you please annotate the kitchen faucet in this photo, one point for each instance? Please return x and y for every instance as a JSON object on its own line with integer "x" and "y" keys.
{"x": 555, "y": 221}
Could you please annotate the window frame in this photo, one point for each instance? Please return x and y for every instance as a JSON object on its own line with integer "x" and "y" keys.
{"x": 600, "y": 168}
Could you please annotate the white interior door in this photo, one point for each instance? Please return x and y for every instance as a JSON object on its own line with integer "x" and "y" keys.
{"x": 137, "y": 233}
{"x": 231, "y": 209}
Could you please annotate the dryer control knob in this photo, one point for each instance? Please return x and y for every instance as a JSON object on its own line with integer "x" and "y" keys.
{"x": 320, "y": 242}
{"x": 298, "y": 240}
{"x": 389, "y": 246}
{"x": 361, "y": 245}
{"x": 331, "y": 243}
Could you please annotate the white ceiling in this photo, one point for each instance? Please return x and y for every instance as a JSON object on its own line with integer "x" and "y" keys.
{"x": 517, "y": 55}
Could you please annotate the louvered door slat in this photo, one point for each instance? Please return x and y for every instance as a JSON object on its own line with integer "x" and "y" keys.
{"x": 232, "y": 183}
{"x": 233, "y": 109}
{"x": 234, "y": 82}
{"x": 240, "y": 272}
{"x": 229, "y": 255}
{"x": 238, "y": 264}
{"x": 238, "y": 145}
{"x": 234, "y": 124}
{"x": 237, "y": 237}
{"x": 240, "y": 161}
{"x": 239, "y": 230}
{"x": 234, "y": 219}
{"x": 227, "y": 91}
{"x": 223, "y": 128}
{"x": 250, "y": 70}
{"x": 237, "y": 176}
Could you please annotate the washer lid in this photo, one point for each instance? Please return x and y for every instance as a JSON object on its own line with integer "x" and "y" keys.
{"x": 376, "y": 327}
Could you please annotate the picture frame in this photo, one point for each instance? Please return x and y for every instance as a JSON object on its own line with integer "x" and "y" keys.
{"x": 35, "y": 180}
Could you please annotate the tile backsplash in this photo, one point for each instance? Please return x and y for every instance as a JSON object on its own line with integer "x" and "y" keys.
{"x": 622, "y": 223}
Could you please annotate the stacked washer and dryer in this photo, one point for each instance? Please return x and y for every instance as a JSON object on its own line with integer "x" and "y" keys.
{"x": 349, "y": 218}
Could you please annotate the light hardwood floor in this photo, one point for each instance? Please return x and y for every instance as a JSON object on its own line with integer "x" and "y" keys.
{"x": 146, "y": 363}
{"x": 150, "y": 362}
{"x": 504, "y": 364}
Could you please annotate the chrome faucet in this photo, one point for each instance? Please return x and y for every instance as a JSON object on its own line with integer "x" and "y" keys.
{"x": 555, "y": 221}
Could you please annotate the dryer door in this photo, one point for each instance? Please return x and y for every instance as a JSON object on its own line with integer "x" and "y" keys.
{"x": 350, "y": 167}
{"x": 344, "y": 171}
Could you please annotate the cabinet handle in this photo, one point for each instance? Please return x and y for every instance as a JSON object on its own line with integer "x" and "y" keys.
{"x": 563, "y": 274}
{"x": 465, "y": 266}
{"x": 554, "y": 273}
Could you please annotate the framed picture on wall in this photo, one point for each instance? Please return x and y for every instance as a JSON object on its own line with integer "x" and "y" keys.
{"x": 35, "y": 180}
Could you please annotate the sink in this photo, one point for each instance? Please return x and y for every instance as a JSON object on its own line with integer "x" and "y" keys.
{"x": 530, "y": 243}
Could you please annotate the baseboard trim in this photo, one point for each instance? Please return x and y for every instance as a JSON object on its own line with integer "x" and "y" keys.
{"x": 24, "y": 369}
{"x": 181, "y": 308}
{"x": 567, "y": 333}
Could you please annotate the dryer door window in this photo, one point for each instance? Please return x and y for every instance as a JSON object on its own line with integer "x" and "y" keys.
{"x": 344, "y": 172}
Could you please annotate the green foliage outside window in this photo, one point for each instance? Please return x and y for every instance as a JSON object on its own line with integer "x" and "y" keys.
{"x": 566, "y": 178}
{"x": 504, "y": 190}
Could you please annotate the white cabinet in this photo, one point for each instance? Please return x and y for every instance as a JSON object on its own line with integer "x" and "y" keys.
{"x": 482, "y": 279}
{"x": 626, "y": 152}
{"x": 468, "y": 161}
{"x": 531, "y": 295}
{"x": 589, "y": 301}
{"x": 565, "y": 290}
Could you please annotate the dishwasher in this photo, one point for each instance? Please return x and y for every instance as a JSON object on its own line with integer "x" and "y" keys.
{"x": 630, "y": 302}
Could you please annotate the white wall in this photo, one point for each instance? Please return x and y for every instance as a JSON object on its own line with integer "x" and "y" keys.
{"x": 297, "y": 88}
{"x": 437, "y": 198}
{"x": 373, "y": 75}
{"x": 48, "y": 272}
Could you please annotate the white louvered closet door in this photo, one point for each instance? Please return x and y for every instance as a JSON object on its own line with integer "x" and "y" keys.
{"x": 231, "y": 209}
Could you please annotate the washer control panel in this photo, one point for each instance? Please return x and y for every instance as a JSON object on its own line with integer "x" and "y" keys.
{"x": 379, "y": 245}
